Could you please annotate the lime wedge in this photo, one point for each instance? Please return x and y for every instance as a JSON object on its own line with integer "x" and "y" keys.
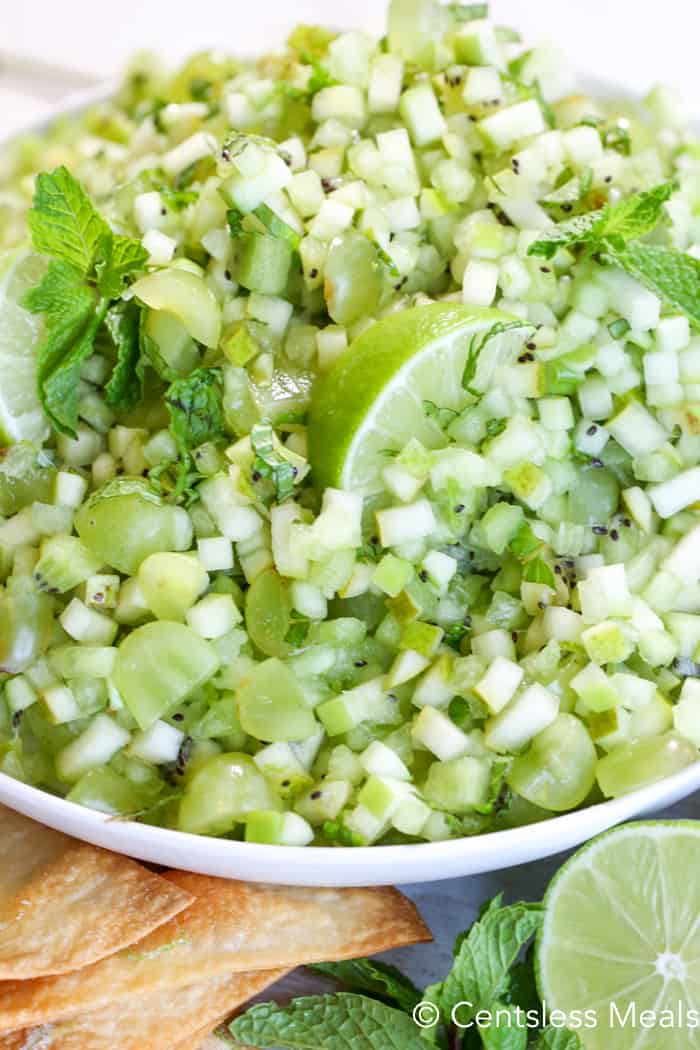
{"x": 373, "y": 399}
{"x": 622, "y": 936}
{"x": 21, "y": 416}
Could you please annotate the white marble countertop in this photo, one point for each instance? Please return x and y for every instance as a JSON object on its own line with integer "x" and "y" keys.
{"x": 43, "y": 56}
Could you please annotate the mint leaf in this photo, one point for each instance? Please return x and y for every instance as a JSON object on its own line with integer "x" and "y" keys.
{"x": 537, "y": 571}
{"x": 72, "y": 317}
{"x": 63, "y": 221}
{"x": 271, "y": 463}
{"x": 120, "y": 257}
{"x": 508, "y": 1030}
{"x": 558, "y": 1039}
{"x": 196, "y": 411}
{"x": 328, "y": 1022}
{"x": 125, "y": 388}
{"x": 672, "y": 275}
{"x": 638, "y": 215}
{"x": 375, "y": 978}
{"x": 484, "y": 957}
{"x": 579, "y": 230}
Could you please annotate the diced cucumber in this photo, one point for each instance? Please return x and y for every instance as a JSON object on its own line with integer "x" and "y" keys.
{"x": 158, "y": 744}
{"x": 524, "y": 717}
{"x": 459, "y": 786}
{"x": 438, "y": 733}
{"x": 92, "y": 749}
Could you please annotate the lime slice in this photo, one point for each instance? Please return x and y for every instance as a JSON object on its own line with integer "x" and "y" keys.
{"x": 21, "y": 416}
{"x": 373, "y": 399}
{"x": 622, "y": 935}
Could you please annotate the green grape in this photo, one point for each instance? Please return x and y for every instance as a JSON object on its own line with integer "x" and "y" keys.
{"x": 271, "y": 704}
{"x": 222, "y": 792}
{"x": 268, "y": 614}
{"x": 124, "y": 522}
{"x": 158, "y": 666}
{"x": 25, "y": 628}
{"x": 644, "y": 762}
{"x": 354, "y": 278}
{"x": 558, "y": 770}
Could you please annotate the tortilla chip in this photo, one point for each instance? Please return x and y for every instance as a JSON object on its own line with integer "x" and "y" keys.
{"x": 154, "y": 1021}
{"x": 27, "y": 848}
{"x": 231, "y": 927}
{"x": 64, "y": 905}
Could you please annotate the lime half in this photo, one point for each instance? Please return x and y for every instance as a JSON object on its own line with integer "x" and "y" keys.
{"x": 621, "y": 939}
{"x": 374, "y": 399}
{"x": 21, "y": 416}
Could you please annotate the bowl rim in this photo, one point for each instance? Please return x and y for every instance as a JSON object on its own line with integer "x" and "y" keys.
{"x": 343, "y": 865}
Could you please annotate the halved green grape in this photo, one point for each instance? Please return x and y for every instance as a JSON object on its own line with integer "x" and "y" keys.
{"x": 272, "y": 706}
{"x": 222, "y": 792}
{"x": 558, "y": 770}
{"x": 175, "y": 345}
{"x": 185, "y": 296}
{"x": 125, "y": 521}
{"x": 354, "y": 278}
{"x": 268, "y": 614}
{"x": 158, "y": 666}
{"x": 644, "y": 762}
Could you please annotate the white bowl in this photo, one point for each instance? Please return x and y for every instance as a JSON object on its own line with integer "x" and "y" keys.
{"x": 342, "y": 866}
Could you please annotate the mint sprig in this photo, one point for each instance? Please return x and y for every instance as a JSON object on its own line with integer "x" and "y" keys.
{"x": 612, "y": 226}
{"x": 616, "y": 233}
{"x": 89, "y": 270}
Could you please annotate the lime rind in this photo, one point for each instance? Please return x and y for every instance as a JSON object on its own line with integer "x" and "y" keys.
{"x": 21, "y": 415}
{"x": 373, "y": 400}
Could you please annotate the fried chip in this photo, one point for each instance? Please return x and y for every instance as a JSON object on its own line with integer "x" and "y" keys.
{"x": 65, "y": 905}
{"x": 154, "y": 1021}
{"x": 231, "y": 927}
